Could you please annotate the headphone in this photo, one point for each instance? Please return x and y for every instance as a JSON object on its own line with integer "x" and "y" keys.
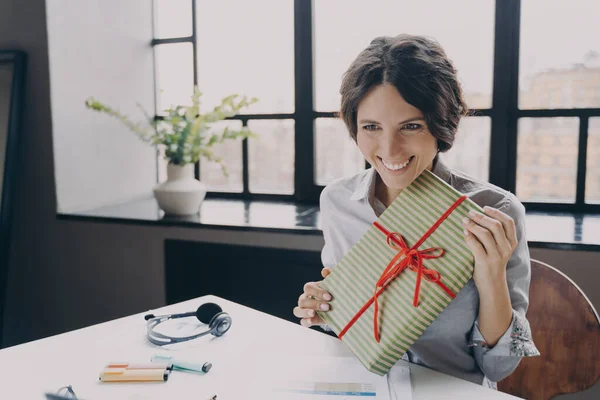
{"x": 218, "y": 322}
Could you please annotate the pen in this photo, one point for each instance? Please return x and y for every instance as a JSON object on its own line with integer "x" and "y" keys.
{"x": 127, "y": 365}
{"x": 134, "y": 375}
{"x": 179, "y": 365}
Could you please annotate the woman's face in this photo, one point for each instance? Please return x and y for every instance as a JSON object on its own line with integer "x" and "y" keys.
{"x": 393, "y": 137}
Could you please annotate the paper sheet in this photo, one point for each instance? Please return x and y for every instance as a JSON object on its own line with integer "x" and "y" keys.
{"x": 322, "y": 378}
{"x": 399, "y": 383}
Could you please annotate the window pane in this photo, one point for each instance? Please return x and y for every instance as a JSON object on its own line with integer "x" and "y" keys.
{"x": 449, "y": 24}
{"x": 174, "y": 75}
{"x": 471, "y": 151}
{"x": 271, "y": 157}
{"x": 560, "y": 54}
{"x": 589, "y": 229}
{"x": 541, "y": 229}
{"x": 547, "y": 159}
{"x": 247, "y": 47}
{"x": 592, "y": 181}
{"x": 172, "y": 18}
{"x": 231, "y": 153}
{"x": 337, "y": 154}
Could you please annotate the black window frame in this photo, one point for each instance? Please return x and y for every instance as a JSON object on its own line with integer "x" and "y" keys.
{"x": 504, "y": 113}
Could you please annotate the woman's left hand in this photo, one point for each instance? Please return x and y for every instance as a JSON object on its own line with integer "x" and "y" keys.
{"x": 492, "y": 238}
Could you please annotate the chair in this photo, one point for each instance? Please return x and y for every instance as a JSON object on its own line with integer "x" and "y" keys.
{"x": 566, "y": 330}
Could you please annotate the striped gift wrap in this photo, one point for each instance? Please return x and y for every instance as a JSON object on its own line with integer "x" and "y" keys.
{"x": 353, "y": 281}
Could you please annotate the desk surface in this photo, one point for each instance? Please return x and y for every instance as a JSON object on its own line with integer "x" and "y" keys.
{"x": 76, "y": 357}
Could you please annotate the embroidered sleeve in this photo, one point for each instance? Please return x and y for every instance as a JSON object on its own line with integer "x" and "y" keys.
{"x": 503, "y": 358}
{"x": 516, "y": 341}
{"x": 521, "y": 342}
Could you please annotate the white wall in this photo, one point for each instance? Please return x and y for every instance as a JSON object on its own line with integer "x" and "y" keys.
{"x": 100, "y": 48}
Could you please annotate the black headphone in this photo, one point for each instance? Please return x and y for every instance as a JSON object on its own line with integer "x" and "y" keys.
{"x": 218, "y": 322}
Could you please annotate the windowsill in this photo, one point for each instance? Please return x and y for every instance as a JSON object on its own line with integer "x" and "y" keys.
{"x": 545, "y": 230}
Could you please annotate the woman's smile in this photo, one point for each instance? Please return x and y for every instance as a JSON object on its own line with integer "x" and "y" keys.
{"x": 395, "y": 167}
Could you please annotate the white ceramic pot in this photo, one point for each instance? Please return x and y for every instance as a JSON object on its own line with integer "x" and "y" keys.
{"x": 181, "y": 193}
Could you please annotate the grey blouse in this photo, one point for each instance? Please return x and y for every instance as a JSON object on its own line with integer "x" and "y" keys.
{"x": 453, "y": 343}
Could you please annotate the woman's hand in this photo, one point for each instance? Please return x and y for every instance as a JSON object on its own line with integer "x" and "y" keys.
{"x": 313, "y": 298}
{"x": 492, "y": 238}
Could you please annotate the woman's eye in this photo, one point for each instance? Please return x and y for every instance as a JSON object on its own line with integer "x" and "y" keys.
{"x": 412, "y": 127}
{"x": 370, "y": 127}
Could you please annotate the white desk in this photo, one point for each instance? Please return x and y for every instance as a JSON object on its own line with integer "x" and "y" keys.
{"x": 75, "y": 358}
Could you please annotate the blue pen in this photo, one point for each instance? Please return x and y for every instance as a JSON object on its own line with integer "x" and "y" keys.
{"x": 182, "y": 365}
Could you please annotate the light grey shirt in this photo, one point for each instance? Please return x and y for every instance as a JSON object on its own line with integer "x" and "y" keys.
{"x": 452, "y": 344}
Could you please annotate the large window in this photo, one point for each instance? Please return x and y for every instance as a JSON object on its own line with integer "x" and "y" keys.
{"x": 534, "y": 90}
{"x": 559, "y": 93}
{"x": 357, "y": 22}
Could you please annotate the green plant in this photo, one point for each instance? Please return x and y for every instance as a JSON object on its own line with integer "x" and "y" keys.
{"x": 184, "y": 130}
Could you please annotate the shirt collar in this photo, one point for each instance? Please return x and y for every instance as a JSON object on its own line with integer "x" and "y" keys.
{"x": 366, "y": 185}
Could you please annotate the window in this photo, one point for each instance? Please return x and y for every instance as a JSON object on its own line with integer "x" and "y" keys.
{"x": 556, "y": 161}
{"x": 175, "y": 74}
{"x": 335, "y": 49}
{"x": 247, "y": 55}
{"x": 172, "y": 18}
{"x": 231, "y": 152}
{"x": 559, "y": 74}
{"x": 271, "y": 157}
{"x": 592, "y": 185}
{"x": 337, "y": 155}
{"x": 473, "y": 138}
{"x": 357, "y": 22}
{"x": 535, "y": 125}
{"x": 194, "y": 46}
{"x": 563, "y": 64}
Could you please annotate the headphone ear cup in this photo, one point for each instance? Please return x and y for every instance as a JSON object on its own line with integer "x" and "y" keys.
{"x": 219, "y": 324}
{"x": 207, "y": 311}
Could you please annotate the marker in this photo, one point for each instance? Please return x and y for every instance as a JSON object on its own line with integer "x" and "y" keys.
{"x": 134, "y": 375}
{"x": 127, "y": 365}
{"x": 183, "y": 365}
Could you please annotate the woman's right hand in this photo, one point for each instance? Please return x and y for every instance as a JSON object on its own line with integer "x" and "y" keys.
{"x": 313, "y": 298}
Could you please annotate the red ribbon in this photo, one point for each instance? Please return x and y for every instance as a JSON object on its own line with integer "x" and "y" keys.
{"x": 413, "y": 260}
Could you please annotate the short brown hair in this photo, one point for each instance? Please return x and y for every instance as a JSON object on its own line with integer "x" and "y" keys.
{"x": 421, "y": 72}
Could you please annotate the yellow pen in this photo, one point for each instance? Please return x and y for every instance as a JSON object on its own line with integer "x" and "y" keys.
{"x": 127, "y": 365}
{"x": 134, "y": 375}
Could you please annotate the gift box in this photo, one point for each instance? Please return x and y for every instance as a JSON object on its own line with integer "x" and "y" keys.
{"x": 401, "y": 274}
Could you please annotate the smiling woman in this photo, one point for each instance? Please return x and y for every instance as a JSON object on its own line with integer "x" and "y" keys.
{"x": 399, "y": 148}
{"x": 402, "y": 104}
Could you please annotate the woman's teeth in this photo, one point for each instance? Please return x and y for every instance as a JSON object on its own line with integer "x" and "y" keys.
{"x": 396, "y": 167}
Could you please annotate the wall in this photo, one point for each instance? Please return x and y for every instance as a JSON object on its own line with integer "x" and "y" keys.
{"x": 97, "y": 160}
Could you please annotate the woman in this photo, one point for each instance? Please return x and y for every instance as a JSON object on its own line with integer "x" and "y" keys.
{"x": 402, "y": 103}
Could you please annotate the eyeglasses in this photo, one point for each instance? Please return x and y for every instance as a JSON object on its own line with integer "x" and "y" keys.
{"x": 67, "y": 392}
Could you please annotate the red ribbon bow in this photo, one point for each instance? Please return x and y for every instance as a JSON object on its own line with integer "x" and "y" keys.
{"x": 413, "y": 260}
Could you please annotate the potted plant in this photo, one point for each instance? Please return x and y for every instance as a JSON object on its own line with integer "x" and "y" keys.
{"x": 183, "y": 134}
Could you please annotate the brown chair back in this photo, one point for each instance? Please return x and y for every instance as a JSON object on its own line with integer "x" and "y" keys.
{"x": 566, "y": 330}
